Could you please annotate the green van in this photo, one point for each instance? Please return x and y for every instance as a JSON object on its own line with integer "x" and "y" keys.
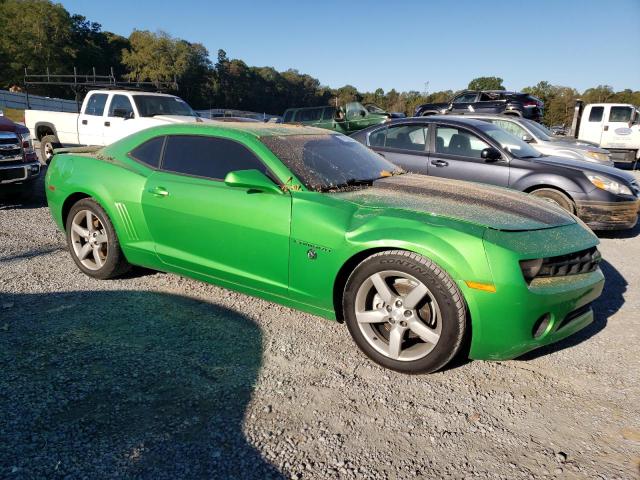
{"x": 353, "y": 117}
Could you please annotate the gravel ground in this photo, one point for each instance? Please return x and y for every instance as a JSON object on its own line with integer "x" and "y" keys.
{"x": 158, "y": 376}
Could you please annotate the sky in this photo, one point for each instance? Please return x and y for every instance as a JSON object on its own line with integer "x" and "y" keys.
{"x": 404, "y": 44}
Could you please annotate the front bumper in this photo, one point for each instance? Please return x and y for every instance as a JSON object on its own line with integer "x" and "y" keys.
{"x": 504, "y": 324}
{"x": 608, "y": 215}
{"x": 19, "y": 172}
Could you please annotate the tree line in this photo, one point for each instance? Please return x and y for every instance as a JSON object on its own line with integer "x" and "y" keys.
{"x": 39, "y": 34}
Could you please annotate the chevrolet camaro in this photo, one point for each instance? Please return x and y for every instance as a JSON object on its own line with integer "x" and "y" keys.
{"x": 419, "y": 268}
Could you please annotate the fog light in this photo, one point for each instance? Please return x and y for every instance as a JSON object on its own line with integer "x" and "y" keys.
{"x": 541, "y": 325}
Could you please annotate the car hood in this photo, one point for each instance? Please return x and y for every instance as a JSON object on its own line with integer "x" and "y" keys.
{"x": 587, "y": 167}
{"x": 7, "y": 125}
{"x": 492, "y": 207}
{"x": 579, "y": 144}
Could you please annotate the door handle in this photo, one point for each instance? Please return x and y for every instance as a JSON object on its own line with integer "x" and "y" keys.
{"x": 107, "y": 124}
{"x": 606, "y": 128}
{"x": 439, "y": 163}
{"x": 158, "y": 191}
{"x": 84, "y": 122}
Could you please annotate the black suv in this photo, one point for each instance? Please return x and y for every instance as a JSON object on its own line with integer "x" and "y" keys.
{"x": 487, "y": 101}
{"x": 468, "y": 149}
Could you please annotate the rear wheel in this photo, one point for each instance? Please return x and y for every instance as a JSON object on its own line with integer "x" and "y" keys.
{"x": 556, "y": 197}
{"x": 404, "y": 312}
{"x": 47, "y": 144}
{"x": 93, "y": 242}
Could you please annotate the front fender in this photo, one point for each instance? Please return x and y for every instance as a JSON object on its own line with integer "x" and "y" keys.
{"x": 534, "y": 180}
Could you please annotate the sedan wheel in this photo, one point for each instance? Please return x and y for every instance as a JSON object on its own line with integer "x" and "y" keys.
{"x": 404, "y": 312}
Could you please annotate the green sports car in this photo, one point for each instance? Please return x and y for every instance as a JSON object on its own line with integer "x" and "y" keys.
{"x": 419, "y": 268}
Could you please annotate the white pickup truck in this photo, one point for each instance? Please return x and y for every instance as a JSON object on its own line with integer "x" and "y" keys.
{"x": 106, "y": 116}
{"x": 614, "y": 126}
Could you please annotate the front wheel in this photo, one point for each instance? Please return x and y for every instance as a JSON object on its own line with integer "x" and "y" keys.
{"x": 404, "y": 312}
{"x": 556, "y": 197}
{"x": 93, "y": 242}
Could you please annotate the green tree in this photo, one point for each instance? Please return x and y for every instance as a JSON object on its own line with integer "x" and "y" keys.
{"x": 599, "y": 94}
{"x": 29, "y": 41}
{"x": 486, "y": 83}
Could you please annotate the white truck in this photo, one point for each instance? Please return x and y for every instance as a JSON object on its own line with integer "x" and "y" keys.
{"x": 614, "y": 126}
{"x": 106, "y": 116}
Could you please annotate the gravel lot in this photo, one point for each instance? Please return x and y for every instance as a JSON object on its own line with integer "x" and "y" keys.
{"x": 158, "y": 376}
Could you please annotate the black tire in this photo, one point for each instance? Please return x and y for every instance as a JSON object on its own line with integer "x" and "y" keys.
{"x": 47, "y": 144}
{"x": 115, "y": 264}
{"x": 453, "y": 312}
{"x": 557, "y": 197}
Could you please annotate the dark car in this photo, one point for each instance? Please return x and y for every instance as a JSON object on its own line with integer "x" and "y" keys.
{"x": 18, "y": 160}
{"x": 468, "y": 149}
{"x": 487, "y": 101}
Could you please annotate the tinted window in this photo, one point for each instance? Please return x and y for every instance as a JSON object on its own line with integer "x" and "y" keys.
{"x": 288, "y": 116}
{"x": 620, "y": 114}
{"x": 208, "y": 157}
{"x": 149, "y": 152}
{"x": 407, "y": 137}
{"x": 455, "y": 141}
{"x": 377, "y": 138}
{"x": 310, "y": 115}
{"x": 466, "y": 98}
{"x": 120, "y": 102}
{"x": 596, "y": 114}
{"x": 95, "y": 105}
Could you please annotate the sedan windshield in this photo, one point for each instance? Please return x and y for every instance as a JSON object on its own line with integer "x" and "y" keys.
{"x": 329, "y": 162}
{"x": 151, "y": 105}
{"x": 516, "y": 147}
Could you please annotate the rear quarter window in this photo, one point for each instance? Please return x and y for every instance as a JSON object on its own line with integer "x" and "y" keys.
{"x": 149, "y": 152}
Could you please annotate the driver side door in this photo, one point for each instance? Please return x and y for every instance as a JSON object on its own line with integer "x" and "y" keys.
{"x": 461, "y": 103}
{"x": 200, "y": 224}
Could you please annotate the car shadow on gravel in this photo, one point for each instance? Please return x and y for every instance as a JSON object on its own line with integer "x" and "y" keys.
{"x": 23, "y": 196}
{"x": 611, "y": 300}
{"x": 126, "y": 384}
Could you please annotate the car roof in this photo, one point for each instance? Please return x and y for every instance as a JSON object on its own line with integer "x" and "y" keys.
{"x": 450, "y": 119}
{"x": 131, "y": 92}
{"x": 255, "y": 129}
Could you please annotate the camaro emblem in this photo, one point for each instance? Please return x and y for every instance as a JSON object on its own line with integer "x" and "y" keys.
{"x": 312, "y": 254}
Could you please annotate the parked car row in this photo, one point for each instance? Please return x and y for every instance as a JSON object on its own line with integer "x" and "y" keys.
{"x": 479, "y": 150}
{"x": 19, "y": 163}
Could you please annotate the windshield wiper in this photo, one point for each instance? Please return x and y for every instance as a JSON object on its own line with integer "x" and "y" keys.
{"x": 352, "y": 182}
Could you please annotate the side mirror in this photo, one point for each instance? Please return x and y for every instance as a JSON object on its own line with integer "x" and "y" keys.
{"x": 251, "y": 179}
{"x": 490, "y": 154}
{"x": 527, "y": 138}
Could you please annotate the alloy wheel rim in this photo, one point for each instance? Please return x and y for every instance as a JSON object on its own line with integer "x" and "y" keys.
{"x": 48, "y": 151}
{"x": 398, "y": 315}
{"x": 89, "y": 240}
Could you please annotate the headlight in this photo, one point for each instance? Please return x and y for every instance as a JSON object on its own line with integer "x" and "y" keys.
{"x": 602, "y": 157}
{"x": 609, "y": 185}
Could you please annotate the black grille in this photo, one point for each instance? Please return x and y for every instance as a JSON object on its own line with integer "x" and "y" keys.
{"x": 571, "y": 316}
{"x": 583, "y": 261}
{"x": 11, "y": 173}
{"x": 9, "y": 140}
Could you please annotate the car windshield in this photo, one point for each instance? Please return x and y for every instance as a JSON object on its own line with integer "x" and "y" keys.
{"x": 151, "y": 105}
{"x": 329, "y": 162}
{"x": 516, "y": 147}
{"x": 542, "y": 132}
{"x": 372, "y": 108}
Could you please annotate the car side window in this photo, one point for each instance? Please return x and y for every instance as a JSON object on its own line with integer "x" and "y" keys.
{"x": 465, "y": 98}
{"x": 596, "y": 114}
{"x": 377, "y": 138}
{"x": 407, "y": 137}
{"x": 620, "y": 114}
{"x": 456, "y": 141}
{"x": 149, "y": 152}
{"x": 95, "y": 104}
{"x": 122, "y": 103}
{"x": 511, "y": 127}
{"x": 310, "y": 115}
{"x": 209, "y": 157}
